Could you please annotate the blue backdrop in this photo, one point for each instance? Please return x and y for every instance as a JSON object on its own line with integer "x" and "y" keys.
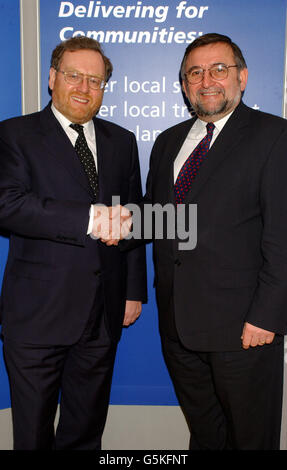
{"x": 10, "y": 84}
{"x": 145, "y": 41}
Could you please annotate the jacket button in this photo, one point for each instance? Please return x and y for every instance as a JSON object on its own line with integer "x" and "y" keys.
{"x": 177, "y": 262}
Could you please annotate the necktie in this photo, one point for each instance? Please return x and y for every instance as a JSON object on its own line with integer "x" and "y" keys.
{"x": 191, "y": 166}
{"x": 86, "y": 157}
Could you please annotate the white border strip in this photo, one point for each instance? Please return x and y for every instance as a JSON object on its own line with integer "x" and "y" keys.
{"x": 39, "y": 101}
{"x": 284, "y": 111}
{"x": 30, "y": 55}
{"x": 22, "y": 56}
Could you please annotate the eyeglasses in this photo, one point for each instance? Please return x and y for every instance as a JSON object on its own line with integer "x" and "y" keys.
{"x": 217, "y": 72}
{"x": 76, "y": 78}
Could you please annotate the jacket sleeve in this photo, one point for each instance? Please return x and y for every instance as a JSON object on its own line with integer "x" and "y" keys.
{"x": 136, "y": 258}
{"x": 269, "y": 307}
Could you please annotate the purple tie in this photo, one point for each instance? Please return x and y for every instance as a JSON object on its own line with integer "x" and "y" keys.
{"x": 191, "y": 166}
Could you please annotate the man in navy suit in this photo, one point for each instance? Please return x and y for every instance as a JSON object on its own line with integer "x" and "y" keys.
{"x": 65, "y": 295}
{"x": 223, "y": 305}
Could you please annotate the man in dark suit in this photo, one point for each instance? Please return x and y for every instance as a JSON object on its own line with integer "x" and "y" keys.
{"x": 65, "y": 296}
{"x": 223, "y": 305}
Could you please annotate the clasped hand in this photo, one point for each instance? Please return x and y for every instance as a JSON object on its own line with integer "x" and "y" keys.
{"x": 111, "y": 224}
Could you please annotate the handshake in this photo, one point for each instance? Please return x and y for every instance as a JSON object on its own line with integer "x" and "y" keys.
{"x": 111, "y": 224}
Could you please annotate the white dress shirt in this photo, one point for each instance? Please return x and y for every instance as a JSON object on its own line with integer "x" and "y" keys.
{"x": 195, "y": 135}
{"x": 89, "y": 131}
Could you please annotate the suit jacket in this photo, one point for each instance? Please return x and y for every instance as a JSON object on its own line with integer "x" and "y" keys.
{"x": 238, "y": 269}
{"x": 49, "y": 283}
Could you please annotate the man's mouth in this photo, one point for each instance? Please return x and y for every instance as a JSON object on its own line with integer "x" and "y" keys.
{"x": 209, "y": 93}
{"x": 80, "y": 100}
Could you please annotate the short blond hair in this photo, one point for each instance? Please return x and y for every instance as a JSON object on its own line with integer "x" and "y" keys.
{"x": 76, "y": 44}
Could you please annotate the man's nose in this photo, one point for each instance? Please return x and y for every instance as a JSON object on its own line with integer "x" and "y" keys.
{"x": 84, "y": 86}
{"x": 207, "y": 79}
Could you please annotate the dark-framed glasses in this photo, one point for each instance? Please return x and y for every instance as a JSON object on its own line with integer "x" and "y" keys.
{"x": 76, "y": 78}
{"x": 217, "y": 72}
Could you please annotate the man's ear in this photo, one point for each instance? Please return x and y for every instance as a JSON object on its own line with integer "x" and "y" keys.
{"x": 243, "y": 77}
{"x": 52, "y": 77}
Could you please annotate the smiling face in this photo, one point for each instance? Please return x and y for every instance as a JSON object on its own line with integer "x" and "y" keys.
{"x": 212, "y": 99}
{"x": 78, "y": 103}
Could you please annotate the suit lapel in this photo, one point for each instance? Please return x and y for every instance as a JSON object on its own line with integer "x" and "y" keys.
{"x": 105, "y": 158}
{"x": 61, "y": 149}
{"x": 227, "y": 140}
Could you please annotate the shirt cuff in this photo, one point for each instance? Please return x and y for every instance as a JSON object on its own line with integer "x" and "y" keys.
{"x": 91, "y": 221}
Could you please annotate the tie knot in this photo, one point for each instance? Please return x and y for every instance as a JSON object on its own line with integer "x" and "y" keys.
{"x": 210, "y": 127}
{"x": 78, "y": 128}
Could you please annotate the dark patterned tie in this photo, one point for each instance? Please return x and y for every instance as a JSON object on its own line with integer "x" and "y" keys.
{"x": 86, "y": 157}
{"x": 191, "y": 166}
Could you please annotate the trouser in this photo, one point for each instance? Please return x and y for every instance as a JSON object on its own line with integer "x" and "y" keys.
{"x": 231, "y": 400}
{"x": 81, "y": 372}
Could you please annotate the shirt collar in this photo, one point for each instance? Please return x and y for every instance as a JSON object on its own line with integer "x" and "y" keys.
{"x": 65, "y": 123}
{"x": 218, "y": 124}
